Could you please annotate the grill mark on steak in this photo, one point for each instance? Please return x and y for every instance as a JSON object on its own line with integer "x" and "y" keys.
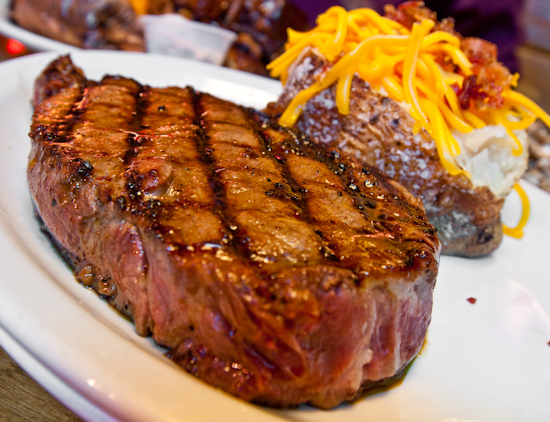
{"x": 206, "y": 156}
{"x": 281, "y": 142}
{"x": 59, "y": 126}
{"x": 135, "y": 125}
{"x": 241, "y": 167}
{"x": 241, "y": 246}
{"x": 369, "y": 218}
{"x": 290, "y": 189}
{"x": 170, "y": 172}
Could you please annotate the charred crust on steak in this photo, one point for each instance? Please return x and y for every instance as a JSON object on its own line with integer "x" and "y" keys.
{"x": 58, "y": 76}
{"x": 307, "y": 294}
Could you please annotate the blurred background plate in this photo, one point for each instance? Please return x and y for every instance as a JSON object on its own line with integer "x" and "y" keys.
{"x": 29, "y": 39}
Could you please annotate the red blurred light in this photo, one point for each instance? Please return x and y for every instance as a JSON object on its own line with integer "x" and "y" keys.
{"x": 14, "y": 47}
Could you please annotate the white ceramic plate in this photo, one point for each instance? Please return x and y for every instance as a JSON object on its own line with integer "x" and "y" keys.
{"x": 31, "y": 40}
{"x": 488, "y": 361}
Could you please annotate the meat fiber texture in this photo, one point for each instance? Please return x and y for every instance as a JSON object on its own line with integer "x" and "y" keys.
{"x": 379, "y": 131}
{"x": 271, "y": 267}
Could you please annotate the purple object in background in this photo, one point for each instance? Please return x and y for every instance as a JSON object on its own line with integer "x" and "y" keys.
{"x": 497, "y": 21}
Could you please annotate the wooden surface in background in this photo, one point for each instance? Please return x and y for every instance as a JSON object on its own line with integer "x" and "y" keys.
{"x": 23, "y": 400}
{"x": 534, "y": 70}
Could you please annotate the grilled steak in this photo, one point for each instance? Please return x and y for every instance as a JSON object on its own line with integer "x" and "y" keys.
{"x": 379, "y": 132}
{"x": 269, "y": 266}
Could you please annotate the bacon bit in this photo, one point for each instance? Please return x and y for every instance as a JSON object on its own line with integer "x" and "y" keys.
{"x": 472, "y": 300}
{"x": 409, "y": 12}
{"x": 482, "y": 90}
{"x": 446, "y": 25}
{"x": 492, "y": 77}
{"x": 479, "y": 51}
{"x": 445, "y": 61}
{"x": 469, "y": 92}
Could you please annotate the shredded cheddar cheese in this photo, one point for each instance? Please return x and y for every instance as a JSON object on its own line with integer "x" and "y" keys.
{"x": 404, "y": 63}
{"x": 140, "y": 6}
{"x": 517, "y": 231}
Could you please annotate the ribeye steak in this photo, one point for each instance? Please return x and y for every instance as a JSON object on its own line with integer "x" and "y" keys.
{"x": 271, "y": 267}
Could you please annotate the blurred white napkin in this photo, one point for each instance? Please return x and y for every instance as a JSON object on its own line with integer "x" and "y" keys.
{"x": 174, "y": 35}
